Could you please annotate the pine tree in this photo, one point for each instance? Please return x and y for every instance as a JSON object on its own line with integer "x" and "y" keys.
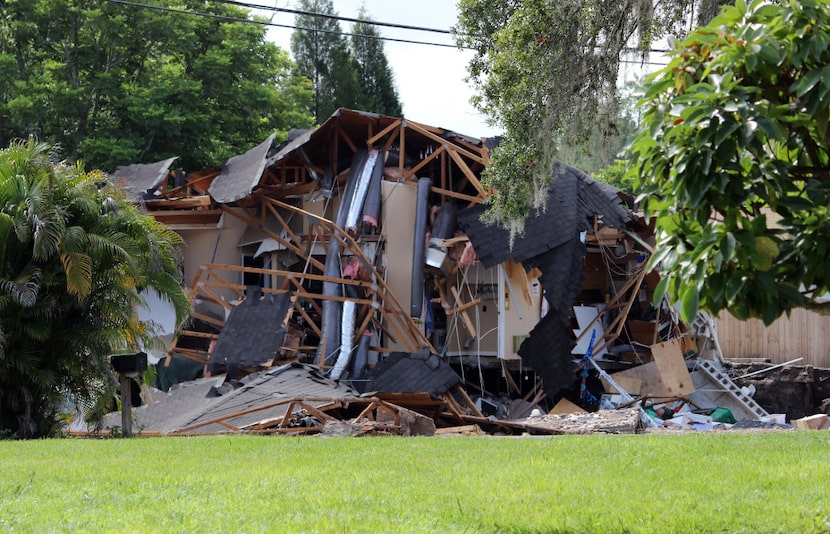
{"x": 376, "y": 78}
{"x": 322, "y": 54}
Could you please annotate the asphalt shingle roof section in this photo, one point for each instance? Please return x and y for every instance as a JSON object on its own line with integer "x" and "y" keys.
{"x": 252, "y": 333}
{"x": 547, "y": 350}
{"x": 573, "y": 200}
{"x": 410, "y": 373}
{"x": 241, "y": 174}
{"x": 283, "y": 383}
{"x": 551, "y": 242}
{"x": 196, "y": 402}
{"x": 140, "y": 178}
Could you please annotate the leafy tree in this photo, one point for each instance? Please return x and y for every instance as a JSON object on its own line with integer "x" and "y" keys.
{"x": 73, "y": 258}
{"x": 546, "y": 71}
{"x": 322, "y": 54}
{"x": 735, "y": 161}
{"x": 377, "y": 82}
{"x": 601, "y": 153}
{"x": 114, "y": 84}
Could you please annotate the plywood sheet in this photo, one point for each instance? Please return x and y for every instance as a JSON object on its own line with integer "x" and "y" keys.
{"x": 668, "y": 357}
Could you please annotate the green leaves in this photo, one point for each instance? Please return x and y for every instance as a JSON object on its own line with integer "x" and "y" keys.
{"x": 70, "y": 270}
{"x": 113, "y": 84}
{"x": 739, "y": 179}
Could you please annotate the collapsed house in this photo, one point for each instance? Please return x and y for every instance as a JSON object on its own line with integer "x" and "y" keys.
{"x": 356, "y": 254}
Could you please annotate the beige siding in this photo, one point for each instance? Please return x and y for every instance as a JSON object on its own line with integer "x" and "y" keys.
{"x": 804, "y": 334}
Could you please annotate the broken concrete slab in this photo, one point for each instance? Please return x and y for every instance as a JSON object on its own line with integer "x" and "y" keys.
{"x": 623, "y": 421}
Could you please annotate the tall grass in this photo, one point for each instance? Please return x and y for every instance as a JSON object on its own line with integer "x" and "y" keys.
{"x": 704, "y": 482}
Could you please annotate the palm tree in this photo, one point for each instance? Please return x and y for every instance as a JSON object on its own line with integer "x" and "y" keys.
{"x": 74, "y": 256}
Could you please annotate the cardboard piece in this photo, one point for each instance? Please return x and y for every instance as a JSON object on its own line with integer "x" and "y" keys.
{"x": 818, "y": 421}
{"x": 565, "y": 406}
{"x": 649, "y": 377}
{"x": 631, "y": 385}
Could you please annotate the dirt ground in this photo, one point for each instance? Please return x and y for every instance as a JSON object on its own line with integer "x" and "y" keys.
{"x": 797, "y": 391}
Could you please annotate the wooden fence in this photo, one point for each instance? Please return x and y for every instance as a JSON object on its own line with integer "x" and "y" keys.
{"x": 804, "y": 334}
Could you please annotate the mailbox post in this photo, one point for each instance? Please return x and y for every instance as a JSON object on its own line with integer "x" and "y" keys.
{"x": 128, "y": 366}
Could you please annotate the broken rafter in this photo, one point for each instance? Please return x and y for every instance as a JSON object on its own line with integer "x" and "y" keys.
{"x": 383, "y": 291}
{"x": 296, "y": 248}
{"x": 464, "y": 316}
{"x": 460, "y": 196}
{"x": 201, "y": 201}
{"x": 344, "y": 136}
{"x": 289, "y": 274}
{"x": 468, "y": 173}
{"x": 616, "y": 303}
{"x": 411, "y": 172}
{"x": 299, "y": 290}
{"x": 309, "y": 321}
{"x": 285, "y": 225}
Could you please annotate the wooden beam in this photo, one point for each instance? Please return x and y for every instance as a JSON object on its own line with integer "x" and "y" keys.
{"x": 467, "y": 171}
{"x": 208, "y": 319}
{"x": 374, "y": 139}
{"x": 463, "y": 393}
{"x": 466, "y": 318}
{"x": 200, "y": 201}
{"x": 441, "y": 141}
{"x": 424, "y": 162}
{"x": 252, "y": 221}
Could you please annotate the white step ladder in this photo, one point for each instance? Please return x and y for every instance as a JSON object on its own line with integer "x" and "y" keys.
{"x": 722, "y": 379}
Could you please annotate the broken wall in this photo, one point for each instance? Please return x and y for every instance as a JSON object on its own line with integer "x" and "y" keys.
{"x": 522, "y": 305}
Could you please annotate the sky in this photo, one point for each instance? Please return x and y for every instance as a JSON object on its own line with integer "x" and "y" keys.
{"x": 430, "y": 79}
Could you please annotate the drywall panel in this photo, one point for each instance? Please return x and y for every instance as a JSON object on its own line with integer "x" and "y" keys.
{"x": 521, "y": 305}
{"x": 398, "y": 224}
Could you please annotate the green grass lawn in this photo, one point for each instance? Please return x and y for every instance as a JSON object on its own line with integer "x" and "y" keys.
{"x": 697, "y": 482}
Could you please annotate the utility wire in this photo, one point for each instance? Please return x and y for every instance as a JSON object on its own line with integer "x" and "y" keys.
{"x": 265, "y": 23}
{"x": 328, "y": 16}
{"x": 331, "y": 32}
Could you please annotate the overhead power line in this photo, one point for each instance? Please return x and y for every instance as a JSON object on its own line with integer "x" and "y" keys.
{"x": 332, "y": 32}
{"x": 330, "y": 17}
{"x": 274, "y": 24}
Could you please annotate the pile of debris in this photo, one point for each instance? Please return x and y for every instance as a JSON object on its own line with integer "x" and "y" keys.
{"x": 344, "y": 282}
{"x": 300, "y": 399}
{"x": 420, "y": 394}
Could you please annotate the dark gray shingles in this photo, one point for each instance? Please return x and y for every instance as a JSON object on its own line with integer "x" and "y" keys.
{"x": 548, "y": 348}
{"x": 573, "y": 200}
{"x": 551, "y": 243}
{"x": 283, "y": 383}
{"x": 252, "y": 333}
{"x": 411, "y": 373}
{"x": 241, "y": 174}
{"x": 140, "y": 178}
{"x": 193, "y": 403}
